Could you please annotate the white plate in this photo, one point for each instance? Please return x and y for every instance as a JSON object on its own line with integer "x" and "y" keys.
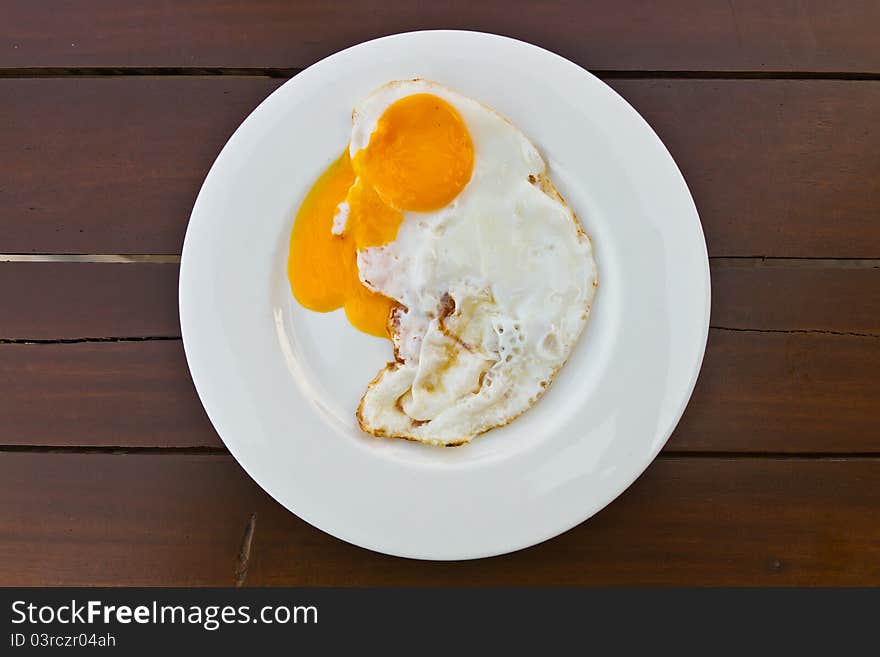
{"x": 281, "y": 384}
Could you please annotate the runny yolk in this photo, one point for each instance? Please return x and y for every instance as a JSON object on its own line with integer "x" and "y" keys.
{"x": 321, "y": 266}
{"x": 419, "y": 158}
{"x": 420, "y": 155}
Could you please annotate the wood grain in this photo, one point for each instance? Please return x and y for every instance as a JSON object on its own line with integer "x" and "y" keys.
{"x": 820, "y": 295}
{"x": 814, "y": 35}
{"x": 758, "y": 392}
{"x": 45, "y": 301}
{"x": 777, "y": 167}
{"x": 784, "y": 392}
{"x": 141, "y": 519}
{"x": 125, "y": 394}
{"x": 111, "y": 165}
{"x": 63, "y": 300}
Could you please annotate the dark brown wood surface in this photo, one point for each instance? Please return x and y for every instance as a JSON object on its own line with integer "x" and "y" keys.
{"x": 128, "y": 157}
{"x": 130, "y": 186}
{"x": 685, "y": 35}
{"x": 784, "y": 392}
{"x": 159, "y": 519}
{"x": 110, "y": 116}
{"x": 79, "y": 300}
{"x": 830, "y": 296}
{"x": 129, "y": 394}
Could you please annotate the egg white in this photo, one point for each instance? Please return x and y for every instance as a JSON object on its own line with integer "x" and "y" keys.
{"x": 508, "y": 265}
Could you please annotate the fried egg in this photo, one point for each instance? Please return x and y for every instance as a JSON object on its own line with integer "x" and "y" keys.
{"x": 440, "y": 229}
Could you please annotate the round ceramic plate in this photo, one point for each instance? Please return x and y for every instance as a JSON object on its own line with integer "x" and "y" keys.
{"x": 281, "y": 384}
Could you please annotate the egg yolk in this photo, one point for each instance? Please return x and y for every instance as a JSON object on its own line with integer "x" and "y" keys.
{"x": 419, "y": 158}
{"x": 322, "y": 267}
{"x": 420, "y": 155}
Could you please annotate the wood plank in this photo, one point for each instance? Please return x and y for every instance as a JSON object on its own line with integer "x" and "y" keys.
{"x": 758, "y": 392}
{"x": 126, "y": 394}
{"x": 145, "y": 519}
{"x": 819, "y": 295}
{"x": 826, "y": 35}
{"x": 67, "y": 300}
{"x": 64, "y": 300}
{"x": 129, "y": 187}
{"x": 121, "y": 519}
{"x": 777, "y": 167}
{"x": 784, "y": 392}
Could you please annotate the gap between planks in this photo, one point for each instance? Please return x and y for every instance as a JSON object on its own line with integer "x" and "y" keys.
{"x": 93, "y": 258}
{"x": 722, "y": 262}
{"x": 807, "y": 331}
{"x": 86, "y": 340}
{"x": 118, "y": 450}
{"x": 284, "y": 73}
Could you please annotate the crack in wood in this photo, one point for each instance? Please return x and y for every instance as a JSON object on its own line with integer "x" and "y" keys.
{"x": 166, "y": 338}
{"x": 145, "y": 338}
{"x": 94, "y": 258}
{"x": 191, "y": 450}
{"x": 239, "y": 575}
{"x": 797, "y": 331}
{"x": 762, "y": 262}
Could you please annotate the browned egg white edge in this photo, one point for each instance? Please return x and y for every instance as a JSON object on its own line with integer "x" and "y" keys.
{"x": 545, "y": 185}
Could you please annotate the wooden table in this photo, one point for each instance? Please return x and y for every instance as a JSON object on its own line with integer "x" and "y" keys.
{"x": 111, "y": 114}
